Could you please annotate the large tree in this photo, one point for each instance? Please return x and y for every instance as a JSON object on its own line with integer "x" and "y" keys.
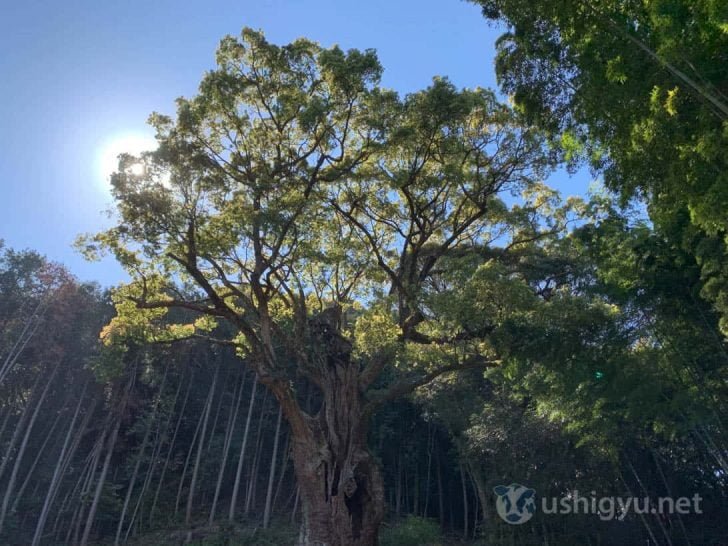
{"x": 337, "y": 235}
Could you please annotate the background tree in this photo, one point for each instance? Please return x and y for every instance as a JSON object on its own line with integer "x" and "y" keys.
{"x": 638, "y": 89}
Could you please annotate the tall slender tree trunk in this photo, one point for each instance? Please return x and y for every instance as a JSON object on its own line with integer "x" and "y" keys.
{"x": 100, "y": 484}
{"x": 201, "y": 441}
{"x": 85, "y": 482}
{"x": 398, "y": 487}
{"x": 295, "y": 504}
{"x": 109, "y": 453}
{"x": 430, "y": 447}
{"x": 669, "y": 494}
{"x": 21, "y": 451}
{"x": 641, "y": 515}
{"x": 140, "y": 498}
{"x": 29, "y": 329}
{"x": 241, "y": 456}
{"x": 220, "y": 400}
{"x": 282, "y": 473}
{"x": 57, "y": 473}
{"x": 18, "y": 432}
{"x": 232, "y": 419}
{"x": 272, "y": 474}
{"x": 48, "y": 434}
{"x": 140, "y": 456}
{"x": 132, "y": 483}
{"x": 416, "y": 490}
{"x": 481, "y": 491}
{"x": 476, "y": 497}
{"x": 169, "y": 452}
{"x": 190, "y": 451}
{"x": 465, "y": 502}
{"x": 647, "y": 495}
{"x": 253, "y": 480}
{"x": 440, "y": 491}
{"x": 6, "y": 418}
{"x": 86, "y": 471}
{"x": 159, "y": 440}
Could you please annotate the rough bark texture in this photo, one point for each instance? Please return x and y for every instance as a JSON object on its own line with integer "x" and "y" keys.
{"x": 340, "y": 511}
{"x": 342, "y": 492}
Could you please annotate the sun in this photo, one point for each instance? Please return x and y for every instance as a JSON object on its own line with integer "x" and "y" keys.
{"x": 132, "y": 143}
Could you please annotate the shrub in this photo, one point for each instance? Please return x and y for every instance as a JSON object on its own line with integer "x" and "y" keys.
{"x": 412, "y": 531}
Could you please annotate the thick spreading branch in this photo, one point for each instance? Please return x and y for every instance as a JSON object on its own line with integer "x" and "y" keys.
{"x": 407, "y": 385}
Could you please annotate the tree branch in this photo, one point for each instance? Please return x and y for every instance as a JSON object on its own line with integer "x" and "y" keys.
{"x": 407, "y": 385}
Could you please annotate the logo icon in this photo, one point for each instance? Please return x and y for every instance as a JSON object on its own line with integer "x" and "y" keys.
{"x": 515, "y": 503}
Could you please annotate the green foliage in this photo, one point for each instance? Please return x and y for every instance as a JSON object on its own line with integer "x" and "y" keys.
{"x": 108, "y": 363}
{"x": 412, "y": 531}
{"x": 292, "y": 184}
{"x": 376, "y": 333}
{"x": 637, "y": 88}
{"x": 279, "y": 534}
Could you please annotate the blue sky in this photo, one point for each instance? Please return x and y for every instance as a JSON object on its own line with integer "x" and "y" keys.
{"x": 77, "y": 75}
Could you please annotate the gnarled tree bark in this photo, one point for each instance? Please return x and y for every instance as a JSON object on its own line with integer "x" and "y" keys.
{"x": 341, "y": 488}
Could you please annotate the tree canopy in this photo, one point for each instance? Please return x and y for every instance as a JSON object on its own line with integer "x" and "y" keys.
{"x": 639, "y": 90}
{"x": 292, "y": 185}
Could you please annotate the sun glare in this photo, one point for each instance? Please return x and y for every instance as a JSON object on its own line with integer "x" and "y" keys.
{"x": 132, "y": 144}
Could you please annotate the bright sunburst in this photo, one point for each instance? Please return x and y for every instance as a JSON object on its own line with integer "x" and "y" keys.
{"x": 132, "y": 144}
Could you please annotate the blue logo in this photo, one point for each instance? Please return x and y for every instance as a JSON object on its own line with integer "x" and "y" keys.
{"x": 515, "y": 503}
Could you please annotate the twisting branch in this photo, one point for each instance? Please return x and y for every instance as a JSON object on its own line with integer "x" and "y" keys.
{"x": 407, "y": 385}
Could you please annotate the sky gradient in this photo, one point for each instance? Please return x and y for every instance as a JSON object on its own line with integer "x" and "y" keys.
{"x": 76, "y": 75}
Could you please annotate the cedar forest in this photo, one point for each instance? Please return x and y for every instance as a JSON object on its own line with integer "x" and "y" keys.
{"x": 352, "y": 315}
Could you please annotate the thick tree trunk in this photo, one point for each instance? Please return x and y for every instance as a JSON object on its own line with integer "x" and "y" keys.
{"x": 340, "y": 486}
{"x": 342, "y": 493}
{"x": 341, "y": 489}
